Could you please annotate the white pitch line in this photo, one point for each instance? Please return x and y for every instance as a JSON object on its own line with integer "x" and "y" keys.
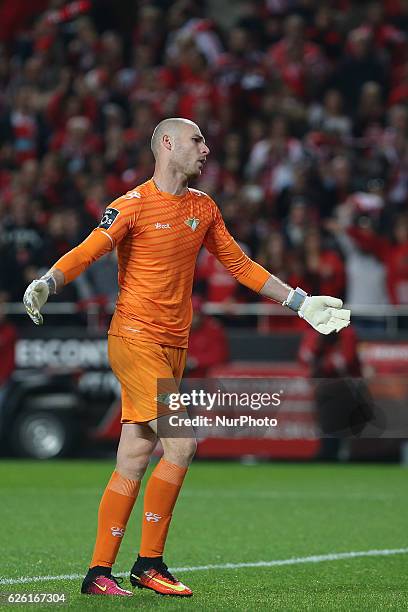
{"x": 199, "y": 568}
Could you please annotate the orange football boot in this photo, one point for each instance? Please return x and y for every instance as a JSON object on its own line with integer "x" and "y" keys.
{"x": 157, "y": 578}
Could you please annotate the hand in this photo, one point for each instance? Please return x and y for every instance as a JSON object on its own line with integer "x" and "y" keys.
{"x": 34, "y": 299}
{"x": 324, "y": 313}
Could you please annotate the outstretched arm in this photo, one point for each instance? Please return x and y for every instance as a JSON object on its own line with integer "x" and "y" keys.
{"x": 275, "y": 289}
{"x": 323, "y": 313}
{"x": 66, "y": 269}
{"x": 116, "y": 222}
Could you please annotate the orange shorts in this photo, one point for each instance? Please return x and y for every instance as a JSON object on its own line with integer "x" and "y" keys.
{"x": 145, "y": 371}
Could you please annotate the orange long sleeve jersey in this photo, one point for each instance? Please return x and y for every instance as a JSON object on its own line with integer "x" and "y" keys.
{"x": 158, "y": 237}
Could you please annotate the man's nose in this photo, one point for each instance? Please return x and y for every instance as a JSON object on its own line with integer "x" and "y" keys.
{"x": 205, "y": 150}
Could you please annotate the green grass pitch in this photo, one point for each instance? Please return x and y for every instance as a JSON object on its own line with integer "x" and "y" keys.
{"x": 227, "y": 513}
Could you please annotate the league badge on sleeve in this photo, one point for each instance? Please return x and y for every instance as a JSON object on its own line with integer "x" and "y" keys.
{"x": 108, "y": 218}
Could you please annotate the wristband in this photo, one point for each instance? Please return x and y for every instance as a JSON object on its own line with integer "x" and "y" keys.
{"x": 295, "y": 299}
{"x": 51, "y": 282}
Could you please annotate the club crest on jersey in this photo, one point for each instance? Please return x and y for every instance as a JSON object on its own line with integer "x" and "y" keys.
{"x": 192, "y": 223}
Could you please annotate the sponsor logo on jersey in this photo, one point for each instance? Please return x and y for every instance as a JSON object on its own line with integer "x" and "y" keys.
{"x": 162, "y": 225}
{"x": 192, "y": 223}
{"x": 108, "y": 218}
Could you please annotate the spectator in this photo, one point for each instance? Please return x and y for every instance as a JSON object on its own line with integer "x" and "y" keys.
{"x": 361, "y": 64}
{"x": 296, "y": 224}
{"x": 343, "y": 404}
{"x": 287, "y": 266}
{"x": 24, "y": 126}
{"x": 393, "y": 253}
{"x": 338, "y": 181}
{"x": 300, "y": 63}
{"x": 272, "y": 159}
{"x": 8, "y": 337}
{"x": 324, "y": 269}
{"x": 370, "y": 110}
{"x": 324, "y": 32}
{"x": 397, "y": 261}
{"x": 208, "y": 345}
{"x": 365, "y": 271}
{"x": 216, "y": 284}
{"x": 385, "y": 35}
{"x": 330, "y": 116}
{"x": 334, "y": 356}
{"x": 21, "y": 246}
{"x": 76, "y": 143}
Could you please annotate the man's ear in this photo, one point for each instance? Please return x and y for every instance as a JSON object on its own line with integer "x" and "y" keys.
{"x": 167, "y": 142}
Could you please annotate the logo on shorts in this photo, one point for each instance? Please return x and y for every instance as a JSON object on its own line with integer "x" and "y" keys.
{"x": 162, "y": 225}
{"x": 118, "y": 532}
{"x": 151, "y": 517}
{"x": 163, "y": 398}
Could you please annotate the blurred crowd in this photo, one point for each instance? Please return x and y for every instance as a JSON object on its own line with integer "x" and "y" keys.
{"x": 304, "y": 105}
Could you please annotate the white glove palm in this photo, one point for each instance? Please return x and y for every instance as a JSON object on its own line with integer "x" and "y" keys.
{"x": 324, "y": 313}
{"x": 34, "y": 299}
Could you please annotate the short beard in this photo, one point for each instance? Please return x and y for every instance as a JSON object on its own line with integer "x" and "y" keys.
{"x": 193, "y": 175}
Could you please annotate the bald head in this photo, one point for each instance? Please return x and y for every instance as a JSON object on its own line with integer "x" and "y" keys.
{"x": 179, "y": 148}
{"x": 171, "y": 128}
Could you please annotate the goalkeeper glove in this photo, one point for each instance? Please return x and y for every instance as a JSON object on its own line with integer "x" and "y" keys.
{"x": 36, "y": 295}
{"x": 324, "y": 313}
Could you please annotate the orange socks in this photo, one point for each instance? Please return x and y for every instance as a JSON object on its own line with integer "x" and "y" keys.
{"x": 116, "y": 506}
{"x": 114, "y": 511}
{"x": 159, "y": 500}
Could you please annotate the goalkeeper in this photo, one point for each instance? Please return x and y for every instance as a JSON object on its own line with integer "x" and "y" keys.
{"x": 158, "y": 229}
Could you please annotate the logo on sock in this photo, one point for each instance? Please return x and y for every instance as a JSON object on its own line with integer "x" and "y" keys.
{"x": 119, "y": 532}
{"x": 152, "y": 517}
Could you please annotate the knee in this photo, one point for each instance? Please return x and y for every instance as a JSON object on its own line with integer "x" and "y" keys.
{"x": 189, "y": 449}
{"x": 179, "y": 450}
{"x": 132, "y": 465}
